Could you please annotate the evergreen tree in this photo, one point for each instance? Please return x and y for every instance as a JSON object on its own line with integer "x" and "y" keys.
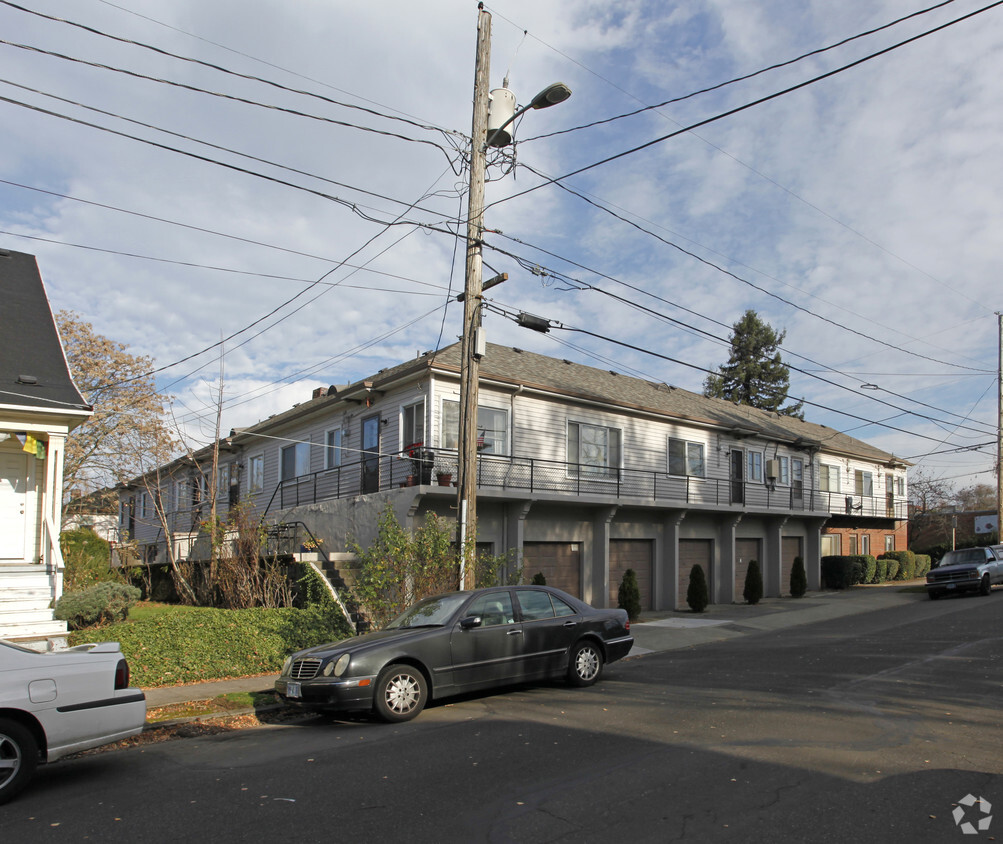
{"x": 697, "y": 595}
{"x": 753, "y": 591}
{"x": 754, "y": 375}
{"x": 629, "y": 595}
{"x": 799, "y": 579}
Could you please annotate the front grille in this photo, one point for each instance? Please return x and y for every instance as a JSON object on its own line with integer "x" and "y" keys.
{"x": 953, "y": 576}
{"x": 304, "y": 669}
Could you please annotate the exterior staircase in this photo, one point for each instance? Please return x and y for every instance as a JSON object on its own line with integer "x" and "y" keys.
{"x": 25, "y": 605}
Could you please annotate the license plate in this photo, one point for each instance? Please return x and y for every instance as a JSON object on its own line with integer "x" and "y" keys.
{"x": 952, "y": 585}
{"x": 293, "y": 690}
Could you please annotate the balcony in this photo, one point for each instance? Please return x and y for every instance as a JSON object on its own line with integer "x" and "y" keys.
{"x": 527, "y": 476}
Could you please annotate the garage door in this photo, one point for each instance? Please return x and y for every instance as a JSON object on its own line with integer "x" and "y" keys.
{"x": 560, "y": 562}
{"x": 693, "y": 552}
{"x": 745, "y": 550}
{"x": 636, "y": 554}
{"x": 791, "y": 548}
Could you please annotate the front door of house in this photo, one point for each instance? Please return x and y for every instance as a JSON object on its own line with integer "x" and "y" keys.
{"x": 13, "y": 505}
{"x": 370, "y": 454}
{"x": 737, "y": 477}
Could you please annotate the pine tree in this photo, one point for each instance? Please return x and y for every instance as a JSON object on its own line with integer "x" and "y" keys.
{"x": 799, "y": 579}
{"x": 753, "y": 591}
{"x": 697, "y": 595}
{"x": 754, "y": 375}
{"x": 629, "y": 595}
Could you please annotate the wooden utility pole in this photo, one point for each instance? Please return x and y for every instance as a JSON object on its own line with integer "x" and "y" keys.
{"x": 469, "y": 354}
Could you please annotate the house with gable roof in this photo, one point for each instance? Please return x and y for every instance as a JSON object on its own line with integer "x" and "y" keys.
{"x": 582, "y": 473}
{"x": 39, "y": 406}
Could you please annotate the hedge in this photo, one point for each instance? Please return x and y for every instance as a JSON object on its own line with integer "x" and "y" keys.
{"x": 906, "y": 567}
{"x": 211, "y": 644}
{"x": 103, "y": 602}
{"x": 841, "y": 572}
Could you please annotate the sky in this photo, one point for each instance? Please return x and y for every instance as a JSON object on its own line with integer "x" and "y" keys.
{"x": 265, "y": 198}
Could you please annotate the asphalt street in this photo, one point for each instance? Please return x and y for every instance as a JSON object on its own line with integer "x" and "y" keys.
{"x": 872, "y": 727}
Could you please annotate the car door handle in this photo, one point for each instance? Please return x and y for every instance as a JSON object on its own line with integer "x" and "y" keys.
{"x": 570, "y": 623}
{"x": 514, "y": 633}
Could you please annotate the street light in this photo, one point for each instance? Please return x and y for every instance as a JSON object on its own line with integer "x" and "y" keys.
{"x": 471, "y": 343}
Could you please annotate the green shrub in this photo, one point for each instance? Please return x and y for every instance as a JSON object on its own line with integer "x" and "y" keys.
{"x": 869, "y": 568}
{"x": 539, "y": 579}
{"x": 906, "y": 564}
{"x": 893, "y": 568}
{"x": 880, "y": 570}
{"x": 799, "y": 579}
{"x": 697, "y": 595}
{"x": 922, "y": 565}
{"x": 200, "y": 644}
{"x": 841, "y": 572}
{"x": 87, "y": 558}
{"x": 628, "y": 596}
{"x": 98, "y": 604}
{"x": 753, "y": 591}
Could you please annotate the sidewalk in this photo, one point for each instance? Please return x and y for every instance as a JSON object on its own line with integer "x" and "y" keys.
{"x": 656, "y": 631}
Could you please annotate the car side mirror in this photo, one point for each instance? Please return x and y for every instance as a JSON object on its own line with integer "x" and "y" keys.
{"x": 470, "y": 621}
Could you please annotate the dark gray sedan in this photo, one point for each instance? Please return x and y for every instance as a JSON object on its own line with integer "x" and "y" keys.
{"x": 455, "y": 643}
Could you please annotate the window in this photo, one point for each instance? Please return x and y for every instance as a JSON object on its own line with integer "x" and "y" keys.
{"x": 182, "y": 497}
{"x": 332, "y": 454}
{"x": 828, "y": 478}
{"x": 494, "y": 608}
{"x": 256, "y": 473}
{"x": 295, "y": 461}
{"x": 536, "y": 605}
{"x": 413, "y": 424}
{"x": 797, "y": 475}
{"x": 865, "y": 543}
{"x": 785, "y": 471}
{"x": 863, "y": 483}
{"x": 755, "y": 473}
{"x": 144, "y": 505}
{"x": 889, "y": 542}
{"x": 853, "y": 544}
{"x": 492, "y": 428}
{"x": 686, "y": 458}
{"x": 223, "y": 479}
{"x": 593, "y": 449}
{"x": 900, "y": 487}
{"x": 831, "y": 545}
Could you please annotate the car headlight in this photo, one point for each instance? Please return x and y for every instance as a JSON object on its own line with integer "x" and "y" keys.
{"x": 287, "y": 665}
{"x": 337, "y": 667}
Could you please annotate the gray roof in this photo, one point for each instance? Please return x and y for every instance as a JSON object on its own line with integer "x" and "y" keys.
{"x": 33, "y": 370}
{"x": 578, "y": 382}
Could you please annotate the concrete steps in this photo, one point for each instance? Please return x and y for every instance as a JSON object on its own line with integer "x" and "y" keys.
{"x": 25, "y": 598}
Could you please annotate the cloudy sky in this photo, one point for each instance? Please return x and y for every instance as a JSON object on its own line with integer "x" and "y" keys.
{"x": 286, "y": 177}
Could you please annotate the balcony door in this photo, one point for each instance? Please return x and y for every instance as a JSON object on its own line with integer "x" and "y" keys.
{"x": 737, "y": 476}
{"x": 370, "y": 454}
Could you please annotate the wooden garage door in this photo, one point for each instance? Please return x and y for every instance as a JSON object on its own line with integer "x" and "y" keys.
{"x": 745, "y": 550}
{"x": 560, "y": 562}
{"x": 636, "y": 554}
{"x": 791, "y": 548}
{"x": 691, "y": 553}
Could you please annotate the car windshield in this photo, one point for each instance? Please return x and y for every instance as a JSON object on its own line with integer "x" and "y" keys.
{"x": 432, "y": 612}
{"x": 964, "y": 555}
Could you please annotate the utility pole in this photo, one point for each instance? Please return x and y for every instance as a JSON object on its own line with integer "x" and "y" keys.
{"x": 469, "y": 353}
{"x": 999, "y": 430}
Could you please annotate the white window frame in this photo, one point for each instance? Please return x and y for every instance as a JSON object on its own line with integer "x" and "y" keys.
{"x": 828, "y": 478}
{"x": 256, "y": 473}
{"x": 863, "y": 483}
{"x": 889, "y": 542}
{"x": 602, "y": 457}
{"x": 865, "y": 543}
{"x": 489, "y": 439}
{"x": 693, "y": 458}
{"x": 301, "y": 460}
{"x": 416, "y": 435}
{"x": 785, "y": 471}
{"x": 754, "y": 467}
{"x": 223, "y": 479}
{"x": 334, "y": 441}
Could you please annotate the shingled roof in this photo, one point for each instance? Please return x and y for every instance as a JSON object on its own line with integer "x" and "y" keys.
{"x": 33, "y": 370}
{"x": 578, "y": 382}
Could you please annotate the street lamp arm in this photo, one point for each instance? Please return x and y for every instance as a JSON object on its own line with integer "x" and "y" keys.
{"x": 556, "y": 92}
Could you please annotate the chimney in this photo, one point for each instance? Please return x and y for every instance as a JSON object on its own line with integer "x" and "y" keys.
{"x": 319, "y": 392}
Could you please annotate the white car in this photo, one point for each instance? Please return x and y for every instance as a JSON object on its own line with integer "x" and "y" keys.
{"x": 54, "y": 704}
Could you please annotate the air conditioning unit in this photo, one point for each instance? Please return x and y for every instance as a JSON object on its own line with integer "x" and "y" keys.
{"x": 772, "y": 470}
